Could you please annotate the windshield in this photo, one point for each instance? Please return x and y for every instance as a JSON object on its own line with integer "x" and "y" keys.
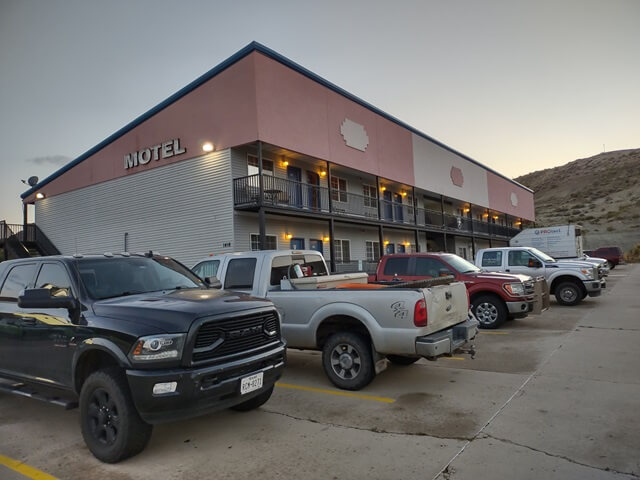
{"x": 460, "y": 264}
{"x": 115, "y": 277}
{"x": 542, "y": 255}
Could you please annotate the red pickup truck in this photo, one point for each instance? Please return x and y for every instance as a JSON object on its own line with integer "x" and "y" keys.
{"x": 494, "y": 297}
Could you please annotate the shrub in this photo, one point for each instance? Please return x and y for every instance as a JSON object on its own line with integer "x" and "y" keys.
{"x": 610, "y": 228}
{"x": 633, "y": 255}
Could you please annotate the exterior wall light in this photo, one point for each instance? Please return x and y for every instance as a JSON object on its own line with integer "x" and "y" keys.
{"x": 404, "y": 194}
{"x": 288, "y": 236}
{"x": 326, "y": 238}
{"x": 385, "y": 243}
{"x": 207, "y": 147}
{"x": 382, "y": 189}
{"x": 285, "y": 163}
{"x": 495, "y": 217}
{"x": 39, "y": 195}
{"x": 466, "y": 210}
{"x": 322, "y": 173}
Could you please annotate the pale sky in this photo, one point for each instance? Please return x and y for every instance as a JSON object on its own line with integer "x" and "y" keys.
{"x": 517, "y": 85}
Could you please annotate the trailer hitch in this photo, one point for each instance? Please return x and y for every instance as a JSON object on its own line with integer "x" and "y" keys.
{"x": 471, "y": 350}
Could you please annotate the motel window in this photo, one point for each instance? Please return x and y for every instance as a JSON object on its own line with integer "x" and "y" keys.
{"x": 338, "y": 189}
{"x": 373, "y": 251}
{"x": 252, "y": 165}
{"x": 342, "y": 250}
{"x": 370, "y": 195}
{"x": 271, "y": 242}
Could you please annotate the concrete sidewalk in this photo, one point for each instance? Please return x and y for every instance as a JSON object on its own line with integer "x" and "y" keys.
{"x": 578, "y": 415}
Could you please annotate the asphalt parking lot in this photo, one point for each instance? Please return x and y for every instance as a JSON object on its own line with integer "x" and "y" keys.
{"x": 555, "y": 396}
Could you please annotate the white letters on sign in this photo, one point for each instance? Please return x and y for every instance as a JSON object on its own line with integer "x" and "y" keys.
{"x": 166, "y": 149}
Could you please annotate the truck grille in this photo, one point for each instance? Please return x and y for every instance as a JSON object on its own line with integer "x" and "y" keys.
{"x": 528, "y": 287}
{"x": 235, "y": 336}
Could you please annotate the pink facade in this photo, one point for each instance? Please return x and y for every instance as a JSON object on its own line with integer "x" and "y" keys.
{"x": 260, "y": 98}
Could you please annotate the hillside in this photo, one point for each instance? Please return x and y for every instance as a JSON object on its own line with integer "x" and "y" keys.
{"x": 601, "y": 193}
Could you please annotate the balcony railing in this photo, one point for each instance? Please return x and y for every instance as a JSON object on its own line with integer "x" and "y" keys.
{"x": 282, "y": 192}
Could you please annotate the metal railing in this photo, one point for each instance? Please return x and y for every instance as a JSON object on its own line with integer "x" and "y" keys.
{"x": 353, "y": 266}
{"x": 282, "y": 192}
{"x": 457, "y": 222}
{"x": 17, "y": 239}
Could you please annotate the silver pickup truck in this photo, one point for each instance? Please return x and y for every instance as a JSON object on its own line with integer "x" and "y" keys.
{"x": 570, "y": 281}
{"x": 357, "y": 326}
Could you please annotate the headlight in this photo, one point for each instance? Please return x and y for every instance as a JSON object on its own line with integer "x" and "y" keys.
{"x": 158, "y": 347}
{"x": 587, "y": 272}
{"x": 516, "y": 289}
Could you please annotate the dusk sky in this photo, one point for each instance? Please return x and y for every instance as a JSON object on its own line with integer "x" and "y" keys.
{"x": 516, "y": 85}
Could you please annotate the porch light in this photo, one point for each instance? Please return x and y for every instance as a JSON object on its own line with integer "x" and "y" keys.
{"x": 485, "y": 215}
{"x": 207, "y": 147}
{"x": 385, "y": 243}
{"x": 518, "y": 223}
{"x": 39, "y": 195}
{"x": 288, "y": 236}
{"x": 382, "y": 189}
{"x": 495, "y": 217}
{"x": 404, "y": 194}
{"x": 285, "y": 163}
{"x": 322, "y": 173}
{"x": 326, "y": 238}
{"x": 466, "y": 210}
{"x": 407, "y": 244}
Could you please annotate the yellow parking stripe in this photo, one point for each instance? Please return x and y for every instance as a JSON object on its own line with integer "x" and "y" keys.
{"x": 335, "y": 392}
{"x": 494, "y": 333}
{"x": 24, "y": 469}
{"x": 453, "y": 358}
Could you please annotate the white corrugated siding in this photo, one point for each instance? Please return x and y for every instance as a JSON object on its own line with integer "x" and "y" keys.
{"x": 184, "y": 210}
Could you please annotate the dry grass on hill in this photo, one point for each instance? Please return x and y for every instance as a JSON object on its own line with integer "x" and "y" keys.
{"x": 601, "y": 193}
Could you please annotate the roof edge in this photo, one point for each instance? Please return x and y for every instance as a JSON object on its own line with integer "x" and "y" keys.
{"x": 239, "y": 55}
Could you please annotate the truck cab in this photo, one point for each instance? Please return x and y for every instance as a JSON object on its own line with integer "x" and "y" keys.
{"x": 569, "y": 281}
{"x": 494, "y": 297}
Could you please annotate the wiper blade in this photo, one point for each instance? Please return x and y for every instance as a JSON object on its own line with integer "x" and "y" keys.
{"x": 122, "y": 294}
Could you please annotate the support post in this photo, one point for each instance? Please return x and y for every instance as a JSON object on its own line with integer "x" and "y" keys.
{"x": 330, "y": 191}
{"x": 262, "y": 224}
{"x": 381, "y": 240}
{"x": 417, "y": 240}
{"x": 379, "y": 199}
{"x": 332, "y": 246}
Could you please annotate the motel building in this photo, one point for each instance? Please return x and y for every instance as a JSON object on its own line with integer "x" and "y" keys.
{"x": 261, "y": 153}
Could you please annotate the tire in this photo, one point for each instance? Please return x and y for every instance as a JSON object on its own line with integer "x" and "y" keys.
{"x": 584, "y": 294}
{"x": 490, "y": 311}
{"x": 347, "y": 361}
{"x": 611, "y": 265}
{"x": 402, "y": 360}
{"x": 254, "y": 402}
{"x": 110, "y": 423}
{"x": 568, "y": 293}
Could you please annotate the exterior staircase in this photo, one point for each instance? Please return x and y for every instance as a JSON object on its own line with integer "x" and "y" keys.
{"x": 24, "y": 241}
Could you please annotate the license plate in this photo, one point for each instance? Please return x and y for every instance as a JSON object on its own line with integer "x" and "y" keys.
{"x": 251, "y": 383}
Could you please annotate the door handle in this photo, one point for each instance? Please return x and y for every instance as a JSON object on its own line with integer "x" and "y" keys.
{"x": 507, "y": 270}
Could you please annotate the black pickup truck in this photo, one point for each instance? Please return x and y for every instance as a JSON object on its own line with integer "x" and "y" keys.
{"x": 132, "y": 340}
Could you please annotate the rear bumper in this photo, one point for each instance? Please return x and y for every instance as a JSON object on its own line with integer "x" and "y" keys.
{"x": 593, "y": 287}
{"x": 447, "y": 342}
{"x": 202, "y": 390}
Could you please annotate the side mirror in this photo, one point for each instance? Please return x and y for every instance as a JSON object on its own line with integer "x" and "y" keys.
{"x": 444, "y": 273}
{"x": 535, "y": 263}
{"x": 213, "y": 282}
{"x": 41, "y": 298}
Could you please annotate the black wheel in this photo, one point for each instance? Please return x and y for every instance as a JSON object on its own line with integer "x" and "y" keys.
{"x": 111, "y": 426}
{"x": 402, "y": 360}
{"x": 254, "y": 402}
{"x": 569, "y": 293}
{"x": 489, "y": 310}
{"x": 584, "y": 294}
{"x": 347, "y": 361}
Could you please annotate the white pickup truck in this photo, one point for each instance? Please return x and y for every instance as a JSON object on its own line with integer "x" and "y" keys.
{"x": 357, "y": 326}
{"x": 570, "y": 281}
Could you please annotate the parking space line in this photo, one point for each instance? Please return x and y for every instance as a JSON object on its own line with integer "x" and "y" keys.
{"x": 453, "y": 358}
{"x": 24, "y": 469}
{"x": 494, "y": 333}
{"x": 339, "y": 393}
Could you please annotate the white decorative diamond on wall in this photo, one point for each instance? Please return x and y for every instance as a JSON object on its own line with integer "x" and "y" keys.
{"x": 354, "y": 134}
{"x": 514, "y": 199}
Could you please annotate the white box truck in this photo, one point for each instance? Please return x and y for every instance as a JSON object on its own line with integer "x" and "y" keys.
{"x": 561, "y": 241}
